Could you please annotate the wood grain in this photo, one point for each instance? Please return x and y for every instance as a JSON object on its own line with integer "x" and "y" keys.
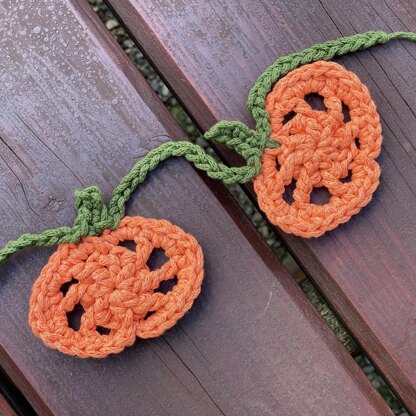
{"x": 211, "y": 53}
{"x": 75, "y": 112}
{"x": 5, "y": 408}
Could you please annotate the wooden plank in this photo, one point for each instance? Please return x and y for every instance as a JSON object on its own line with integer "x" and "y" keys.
{"x": 14, "y": 397}
{"x": 75, "y": 112}
{"x": 212, "y": 52}
{"x": 5, "y": 408}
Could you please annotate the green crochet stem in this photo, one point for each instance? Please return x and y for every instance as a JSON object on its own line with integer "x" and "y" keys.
{"x": 321, "y": 51}
{"x": 93, "y": 216}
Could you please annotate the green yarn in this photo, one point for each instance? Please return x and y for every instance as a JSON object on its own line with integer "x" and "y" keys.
{"x": 93, "y": 216}
{"x": 320, "y": 51}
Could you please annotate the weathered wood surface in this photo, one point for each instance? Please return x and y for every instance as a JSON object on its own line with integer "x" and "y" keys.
{"x": 75, "y": 112}
{"x": 5, "y": 408}
{"x": 212, "y": 52}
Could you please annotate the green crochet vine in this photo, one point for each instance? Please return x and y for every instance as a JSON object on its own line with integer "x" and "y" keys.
{"x": 93, "y": 216}
{"x": 321, "y": 51}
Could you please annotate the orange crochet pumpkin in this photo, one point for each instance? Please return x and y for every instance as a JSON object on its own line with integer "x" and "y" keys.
{"x": 319, "y": 149}
{"x": 116, "y": 288}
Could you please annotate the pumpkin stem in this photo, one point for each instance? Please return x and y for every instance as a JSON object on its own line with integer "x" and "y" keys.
{"x": 318, "y": 52}
{"x": 92, "y": 216}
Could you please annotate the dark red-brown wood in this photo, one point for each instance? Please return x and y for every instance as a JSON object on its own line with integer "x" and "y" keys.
{"x": 210, "y": 52}
{"x": 75, "y": 112}
{"x": 5, "y": 408}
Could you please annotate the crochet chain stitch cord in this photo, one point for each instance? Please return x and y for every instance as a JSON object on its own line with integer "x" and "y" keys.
{"x": 114, "y": 285}
{"x": 94, "y": 217}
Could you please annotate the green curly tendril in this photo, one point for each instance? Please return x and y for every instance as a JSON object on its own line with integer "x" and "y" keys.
{"x": 93, "y": 216}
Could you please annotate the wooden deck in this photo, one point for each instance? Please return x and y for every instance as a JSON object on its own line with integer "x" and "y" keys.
{"x": 210, "y": 54}
{"x": 74, "y": 112}
{"x": 5, "y": 408}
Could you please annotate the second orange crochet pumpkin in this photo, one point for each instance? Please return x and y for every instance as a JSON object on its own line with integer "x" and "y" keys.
{"x": 319, "y": 149}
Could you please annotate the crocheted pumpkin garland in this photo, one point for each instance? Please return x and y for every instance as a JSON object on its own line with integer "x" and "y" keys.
{"x": 292, "y": 142}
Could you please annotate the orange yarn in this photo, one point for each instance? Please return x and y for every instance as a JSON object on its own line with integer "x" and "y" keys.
{"x": 318, "y": 148}
{"x": 115, "y": 288}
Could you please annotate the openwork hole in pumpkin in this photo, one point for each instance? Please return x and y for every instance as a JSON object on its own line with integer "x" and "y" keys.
{"x": 167, "y": 285}
{"x": 346, "y": 113}
{"x": 102, "y": 330}
{"x": 157, "y": 259}
{"x": 288, "y": 193}
{"x": 129, "y": 244}
{"x": 320, "y": 196}
{"x": 289, "y": 116}
{"x": 277, "y": 165}
{"x": 347, "y": 178}
{"x": 65, "y": 287}
{"x": 74, "y": 317}
{"x": 149, "y": 314}
{"x": 316, "y": 101}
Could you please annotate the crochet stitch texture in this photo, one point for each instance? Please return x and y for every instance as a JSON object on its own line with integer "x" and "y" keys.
{"x": 94, "y": 217}
{"x": 116, "y": 288}
{"x": 319, "y": 149}
{"x": 118, "y": 292}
